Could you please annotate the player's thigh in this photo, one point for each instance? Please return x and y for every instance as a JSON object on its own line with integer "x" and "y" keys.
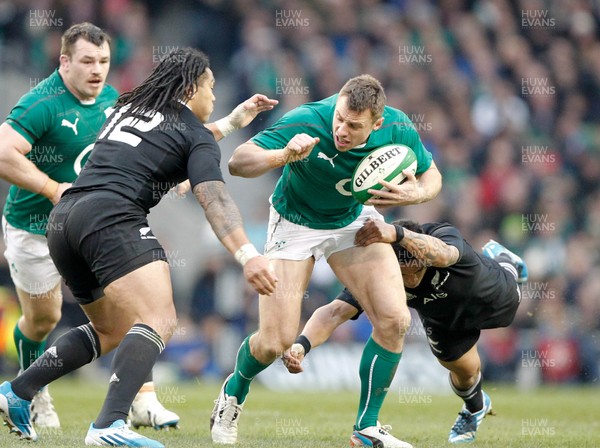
{"x": 279, "y": 313}
{"x": 456, "y": 350}
{"x": 31, "y": 267}
{"x": 373, "y": 276}
{"x": 44, "y": 307}
{"x": 143, "y": 295}
{"x": 126, "y": 276}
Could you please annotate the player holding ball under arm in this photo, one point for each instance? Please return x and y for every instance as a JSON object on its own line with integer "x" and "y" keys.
{"x": 457, "y": 293}
{"x": 313, "y": 214}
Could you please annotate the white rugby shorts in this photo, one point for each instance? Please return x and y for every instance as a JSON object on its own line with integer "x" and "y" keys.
{"x": 289, "y": 241}
{"x": 31, "y": 267}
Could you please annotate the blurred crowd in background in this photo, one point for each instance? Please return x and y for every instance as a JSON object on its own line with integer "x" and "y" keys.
{"x": 505, "y": 94}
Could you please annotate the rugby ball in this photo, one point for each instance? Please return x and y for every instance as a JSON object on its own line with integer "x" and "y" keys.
{"x": 384, "y": 163}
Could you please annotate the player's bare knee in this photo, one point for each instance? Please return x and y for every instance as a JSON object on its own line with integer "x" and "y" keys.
{"x": 42, "y": 323}
{"x": 108, "y": 337}
{"x": 404, "y": 323}
{"x": 163, "y": 320}
{"x": 269, "y": 349}
{"x": 393, "y": 326}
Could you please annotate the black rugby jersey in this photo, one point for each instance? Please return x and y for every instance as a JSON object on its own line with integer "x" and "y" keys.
{"x": 142, "y": 156}
{"x": 473, "y": 293}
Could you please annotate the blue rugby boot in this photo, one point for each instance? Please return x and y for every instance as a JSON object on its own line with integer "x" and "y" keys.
{"x": 465, "y": 426}
{"x": 118, "y": 434}
{"x": 16, "y": 412}
{"x": 495, "y": 250}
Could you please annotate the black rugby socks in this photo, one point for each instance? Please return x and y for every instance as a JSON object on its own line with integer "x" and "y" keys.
{"x": 76, "y": 348}
{"x": 473, "y": 397}
{"x": 131, "y": 365}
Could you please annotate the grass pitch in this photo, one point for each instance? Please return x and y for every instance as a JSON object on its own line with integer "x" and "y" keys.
{"x": 549, "y": 417}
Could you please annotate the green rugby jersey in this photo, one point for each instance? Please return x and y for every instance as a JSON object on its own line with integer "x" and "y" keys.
{"x": 62, "y": 131}
{"x": 315, "y": 192}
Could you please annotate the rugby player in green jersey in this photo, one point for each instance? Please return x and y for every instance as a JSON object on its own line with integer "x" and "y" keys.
{"x": 313, "y": 214}
{"x": 44, "y": 143}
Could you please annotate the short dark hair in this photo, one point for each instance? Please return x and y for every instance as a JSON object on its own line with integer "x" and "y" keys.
{"x": 365, "y": 92}
{"x": 404, "y": 256}
{"x": 85, "y": 30}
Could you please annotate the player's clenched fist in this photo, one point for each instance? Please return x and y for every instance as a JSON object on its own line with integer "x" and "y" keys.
{"x": 292, "y": 358}
{"x": 259, "y": 274}
{"x": 300, "y": 146}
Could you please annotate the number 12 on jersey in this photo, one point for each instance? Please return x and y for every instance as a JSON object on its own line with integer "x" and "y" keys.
{"x": 143, "y": 122}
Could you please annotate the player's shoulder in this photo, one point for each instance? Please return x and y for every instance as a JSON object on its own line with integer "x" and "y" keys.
{"x": 184, "y": 120}
{"x": 109, "y": 93}
{"x": 45, "y": 93}
{"x": 40, "y": 104}
{"x": 393, "y": 116}
{"x": 440, "y": 229}
{"x": 313, "y": 113}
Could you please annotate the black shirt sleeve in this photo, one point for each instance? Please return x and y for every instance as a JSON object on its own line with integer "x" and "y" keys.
{"x": 449, "y": 235}
{"x": 204, "y": 163}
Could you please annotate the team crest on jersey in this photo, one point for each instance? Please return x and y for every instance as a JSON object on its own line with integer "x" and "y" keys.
{"x": 435, "y": 281}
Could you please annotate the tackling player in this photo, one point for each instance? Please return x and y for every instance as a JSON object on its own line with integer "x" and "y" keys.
{"x": 313, "y": 214}
{"x": 44, "y": 143}
{"x": 456, "y": 292}
{"x": 102, "y": 245}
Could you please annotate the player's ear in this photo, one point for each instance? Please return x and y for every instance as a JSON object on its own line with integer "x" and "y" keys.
{"x": 64, "y": 60}
{"x": 378, "y": 123}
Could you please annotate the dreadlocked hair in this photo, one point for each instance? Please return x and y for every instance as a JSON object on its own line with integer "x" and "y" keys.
{"x": 173, "y": 80}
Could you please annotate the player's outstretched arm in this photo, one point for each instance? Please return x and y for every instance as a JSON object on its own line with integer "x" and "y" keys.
{"x": 241, "y": 116}
{"x": 414, "y": 190}
{"x": 20, "y": 171}
{"x": 317, "y": 330}
{"x": 250, "y": 160}
{"x": 226, "y": 221}
{"x": 430, "y": 250}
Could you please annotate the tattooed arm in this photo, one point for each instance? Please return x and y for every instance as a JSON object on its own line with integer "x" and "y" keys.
{"x": 222, "y": 213}
{"x": 429, "y": 249}
{"x": 226, "y": 221}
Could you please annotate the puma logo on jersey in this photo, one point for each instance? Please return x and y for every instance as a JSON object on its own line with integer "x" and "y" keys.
{"x": 68, "y": 124}
{"x": 329, "y": 159}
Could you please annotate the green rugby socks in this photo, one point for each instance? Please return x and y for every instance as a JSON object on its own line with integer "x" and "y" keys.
{"x": 377, "y": 369}
{"x": 246, "y": 368}
{"x": 27, "y": 349}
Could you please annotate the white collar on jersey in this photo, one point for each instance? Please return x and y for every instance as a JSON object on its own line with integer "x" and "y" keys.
{"x": 185, "y": 104}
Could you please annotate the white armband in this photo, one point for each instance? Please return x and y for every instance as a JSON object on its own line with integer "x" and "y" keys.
{"x": 245, "y": 253}
{"x": 224, "y": 126}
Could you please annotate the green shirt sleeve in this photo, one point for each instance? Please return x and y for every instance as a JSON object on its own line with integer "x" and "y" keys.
{"x": 32, "y": 117}
{"x": 296, "y": 121}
